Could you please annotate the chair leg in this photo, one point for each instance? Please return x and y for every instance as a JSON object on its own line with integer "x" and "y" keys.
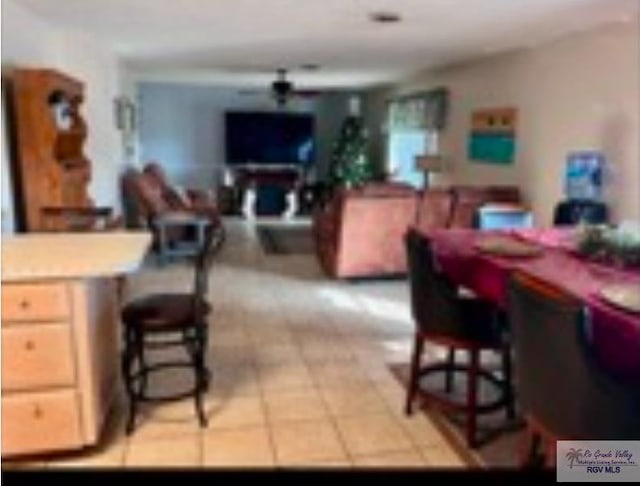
{"x": 529, "y": 446}
{"x": 526, "y": 445}
{"x": 418, "y": 345}
{"x": 128, "y": 355}
{"x": 550, "y": 453}
{"x": 200, "y": 370}
{"x": 508, "y": 383}
{"x": 448, "y": 378}
{"x": 472, "y": 398}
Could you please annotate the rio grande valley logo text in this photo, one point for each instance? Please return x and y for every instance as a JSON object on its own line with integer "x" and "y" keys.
{"x": 599, "y": 461}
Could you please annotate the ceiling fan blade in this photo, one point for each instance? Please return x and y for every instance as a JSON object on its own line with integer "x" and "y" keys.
{"x": 307, "y": 93}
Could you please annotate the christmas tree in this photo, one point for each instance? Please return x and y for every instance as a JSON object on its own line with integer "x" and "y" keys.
{"x": 350, "y": 165}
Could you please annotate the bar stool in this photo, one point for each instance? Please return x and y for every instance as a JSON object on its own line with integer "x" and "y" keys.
{"x": 444, "y": 318}
{"x": 161, "y": 317}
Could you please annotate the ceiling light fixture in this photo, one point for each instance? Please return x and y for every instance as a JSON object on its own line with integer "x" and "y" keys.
{"x": 385, "y": 17}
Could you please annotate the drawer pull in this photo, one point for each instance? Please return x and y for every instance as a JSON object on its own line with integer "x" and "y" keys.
{"x": 37, "y": 412}
{"x": 24, "y": 304}
{"x": 29, "y": 345}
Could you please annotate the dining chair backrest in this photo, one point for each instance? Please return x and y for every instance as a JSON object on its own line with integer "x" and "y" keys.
{"x": 203, "y": 263}
{"x": 559, "y": 381}
{"x": 573, "y": 212}
{"x": 433, "y": 297}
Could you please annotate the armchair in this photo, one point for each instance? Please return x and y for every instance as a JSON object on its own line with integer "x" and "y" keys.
{"x": 177, "y": 223}
{"x": 191, "y": 200}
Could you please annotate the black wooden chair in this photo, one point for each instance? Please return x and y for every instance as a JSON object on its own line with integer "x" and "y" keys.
{"x": 171, "y": 319}
{"x": 458, "y": 323}
{"x": 573, "y": 212}
{"x": 563, "y": 392}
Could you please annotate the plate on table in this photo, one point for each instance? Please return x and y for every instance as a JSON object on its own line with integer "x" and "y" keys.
{"x": 624, "y": 296}
{"x": 508, "y": 247}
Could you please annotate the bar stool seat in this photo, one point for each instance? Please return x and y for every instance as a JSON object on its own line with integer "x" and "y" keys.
{"x": 163, "y": 312}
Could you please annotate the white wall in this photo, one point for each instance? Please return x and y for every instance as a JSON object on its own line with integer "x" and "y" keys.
{"x": 30, "y": 41}
{"x": 182, "y": 126}
{"x": 578, "y": 92}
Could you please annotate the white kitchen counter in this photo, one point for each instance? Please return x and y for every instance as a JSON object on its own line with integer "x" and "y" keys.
{"x": 38, "y": 256}
{"x": 60, "y": 328}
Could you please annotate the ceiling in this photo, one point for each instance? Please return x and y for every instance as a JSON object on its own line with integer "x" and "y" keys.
{"x": 243, "y": 41}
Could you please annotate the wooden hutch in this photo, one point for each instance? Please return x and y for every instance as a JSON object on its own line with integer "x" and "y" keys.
{"x": 51, "y": 172}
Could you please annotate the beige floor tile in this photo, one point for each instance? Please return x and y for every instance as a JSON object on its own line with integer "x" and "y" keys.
{"x": 270, "y": 336}
{"x": 235, "y": 411}
{"x": 294, "y": 405}
{"x": 394, "y": 395}
{"x": 372, "y": 433}
{"x": 312, "y": 441}
{"x": 421, "y": 430}
{"x": 354, "y": 399}
{"x": 443, "y": 457}
{"x": 326, "y": 352}
{"x": 337, "y": 464}
{"x": 284, "y": 376}
{"x": 229, "y": 336}
{"x": 153, "y": 428}
{"x": 400, "y": 459}
{"x": 179, "y": 410}
{"x": 336, "y": 373}
{"x": 165, "y": 453}
{"x": 229, "y": 356}
{"x": 238, "y": 447}
{"x": 273, "y": 354}
{"x": 238, "y": 379}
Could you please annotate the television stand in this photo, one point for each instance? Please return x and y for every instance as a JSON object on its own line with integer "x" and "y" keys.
{"x": 250, "y": 177}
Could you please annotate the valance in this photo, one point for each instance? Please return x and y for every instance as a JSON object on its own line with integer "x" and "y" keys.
{"x": 419, "y": 111}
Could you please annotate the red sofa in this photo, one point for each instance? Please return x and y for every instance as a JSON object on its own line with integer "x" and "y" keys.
{"x": 359, "y": 232}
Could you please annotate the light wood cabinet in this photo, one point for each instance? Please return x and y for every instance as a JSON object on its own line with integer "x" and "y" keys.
{"x": 38, "y": 355}
{"x": 48, "y": 135}
{"x": 59, "y": 363}
{"x": 40, "y": 421}
{"x": 34, "y": 302}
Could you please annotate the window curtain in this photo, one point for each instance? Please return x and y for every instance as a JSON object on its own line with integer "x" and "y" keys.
{"x": 420, "y": 111}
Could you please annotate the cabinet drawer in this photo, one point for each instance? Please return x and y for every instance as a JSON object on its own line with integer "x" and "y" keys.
{"x": 34, "y": 302}
{"x": 39, "y": 422}
{"x": 36, "y": 355}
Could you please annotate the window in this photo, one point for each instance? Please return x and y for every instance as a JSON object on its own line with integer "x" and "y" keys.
{"x": 403, "y": 147}
{"x": 413, "y": 127}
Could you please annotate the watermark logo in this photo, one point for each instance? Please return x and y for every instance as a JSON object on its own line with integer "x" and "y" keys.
{"x": 594, "y": 461}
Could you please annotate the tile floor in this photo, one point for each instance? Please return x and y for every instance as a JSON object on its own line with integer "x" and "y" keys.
{"x": 300, "y": 375}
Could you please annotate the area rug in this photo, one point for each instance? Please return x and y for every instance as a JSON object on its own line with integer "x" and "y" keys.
{"x": 286, "y": 239}
{"x": 500, "y": 439}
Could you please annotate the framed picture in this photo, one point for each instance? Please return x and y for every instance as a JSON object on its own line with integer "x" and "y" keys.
{"x": 492, "y": 139}
{"x": 125, "y": 114}
{"x": 584, "y": 175}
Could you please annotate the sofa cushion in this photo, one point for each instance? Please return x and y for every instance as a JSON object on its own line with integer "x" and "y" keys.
{"x": 435, "y": 209}
{"x": 383, "y": 189}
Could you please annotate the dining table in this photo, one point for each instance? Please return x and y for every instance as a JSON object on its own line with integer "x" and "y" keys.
{"x": 614, "y": 331}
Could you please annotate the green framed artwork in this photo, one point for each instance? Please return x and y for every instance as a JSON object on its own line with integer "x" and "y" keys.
{"x": 492, "y": 139}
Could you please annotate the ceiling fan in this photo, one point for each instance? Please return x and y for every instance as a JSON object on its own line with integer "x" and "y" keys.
{"x": 283, "y": 90}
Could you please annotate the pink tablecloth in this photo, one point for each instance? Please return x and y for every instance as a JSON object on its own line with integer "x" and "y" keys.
{"x": 616, "y": 332}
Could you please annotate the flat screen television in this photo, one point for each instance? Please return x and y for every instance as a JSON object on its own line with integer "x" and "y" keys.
{"x": 269, "y": 138}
